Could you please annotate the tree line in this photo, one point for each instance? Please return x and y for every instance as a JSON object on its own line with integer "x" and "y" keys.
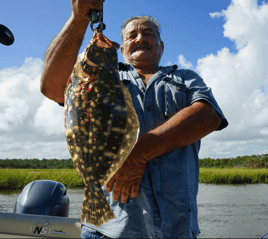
{"x": 36, "y": 163}
{"x": 253, "y": 161}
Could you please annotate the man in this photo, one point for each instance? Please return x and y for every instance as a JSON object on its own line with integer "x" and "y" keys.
{"x": 175, "y": 109}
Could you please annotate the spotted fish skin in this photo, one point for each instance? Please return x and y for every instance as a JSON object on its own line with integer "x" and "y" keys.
{"x": 101, "y": 125}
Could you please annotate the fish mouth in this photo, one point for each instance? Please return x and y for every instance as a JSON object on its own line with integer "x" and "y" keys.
{"x": 141, "y": 47}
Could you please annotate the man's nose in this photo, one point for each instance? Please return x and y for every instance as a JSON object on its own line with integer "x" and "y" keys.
{"x": 140, "y": 39}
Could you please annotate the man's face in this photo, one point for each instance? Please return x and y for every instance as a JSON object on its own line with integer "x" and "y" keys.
{"x": 141, "y": 45}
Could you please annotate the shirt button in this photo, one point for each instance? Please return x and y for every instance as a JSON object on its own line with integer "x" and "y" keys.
{"x": 148, "y": 108}
{"x": 157, "y": 193}
{"x": 142, "y": 88}
{"x": 154, "y": 162}
{"x": 166, "y": 116}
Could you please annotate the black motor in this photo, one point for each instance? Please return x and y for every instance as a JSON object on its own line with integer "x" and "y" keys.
{"x": 43, "y": 197}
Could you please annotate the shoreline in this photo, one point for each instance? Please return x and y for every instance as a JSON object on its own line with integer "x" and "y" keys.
{"x": 18, "y": 191}
{"x": 17, "y": 179}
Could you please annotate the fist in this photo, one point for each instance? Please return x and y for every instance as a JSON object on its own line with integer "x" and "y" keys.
{"x": 80, "y": 8}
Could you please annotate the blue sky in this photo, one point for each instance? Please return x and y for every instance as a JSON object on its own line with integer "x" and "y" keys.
{"x": 224, "y": 41}
{"x": 187, "y": 27}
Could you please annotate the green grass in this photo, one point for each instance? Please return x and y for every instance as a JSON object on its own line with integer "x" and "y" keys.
{"x": 233, "y": 175}
{"x": 19, "y": 178}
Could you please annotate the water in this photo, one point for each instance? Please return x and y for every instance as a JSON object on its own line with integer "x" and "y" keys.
{"x": 76, "y": 198}
{"x": 233, "y": 211}
{"x": 223, "y": 211}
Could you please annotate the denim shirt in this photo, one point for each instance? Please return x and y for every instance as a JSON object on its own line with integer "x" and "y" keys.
{"x": 166, "y": 206}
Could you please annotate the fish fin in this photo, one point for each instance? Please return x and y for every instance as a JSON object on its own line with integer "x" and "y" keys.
{"x": 95, "y": 208}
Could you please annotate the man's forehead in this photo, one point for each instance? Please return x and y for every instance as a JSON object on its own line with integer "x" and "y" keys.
{"x": 142, "y": 23}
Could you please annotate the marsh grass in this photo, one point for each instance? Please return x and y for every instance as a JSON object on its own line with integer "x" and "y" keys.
{"x": 233, "y": 175}
{"x": 18, "y": 178}
{"x": 11, "y": 179}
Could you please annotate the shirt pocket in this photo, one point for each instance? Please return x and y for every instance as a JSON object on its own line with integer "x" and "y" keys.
{"x": 175, "y": 97}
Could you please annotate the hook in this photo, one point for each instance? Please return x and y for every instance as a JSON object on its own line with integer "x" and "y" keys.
{"x": 96, "y": 16}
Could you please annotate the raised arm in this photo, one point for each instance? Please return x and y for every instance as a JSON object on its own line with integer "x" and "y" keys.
{"x": 62, "y": 52}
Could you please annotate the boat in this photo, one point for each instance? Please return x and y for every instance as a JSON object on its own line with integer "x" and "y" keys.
{"x": 41, "y": 210}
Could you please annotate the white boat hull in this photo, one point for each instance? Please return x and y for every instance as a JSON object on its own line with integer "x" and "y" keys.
{"x": 39, "y": 226}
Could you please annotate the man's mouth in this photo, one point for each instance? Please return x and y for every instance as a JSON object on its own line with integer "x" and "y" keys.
{"x": 141, "y": 47}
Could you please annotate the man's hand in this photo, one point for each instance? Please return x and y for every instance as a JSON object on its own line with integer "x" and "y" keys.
{"x": 127, "y": 179}
{"x": 81, "y": 8}
{"x": 184, "y": 128}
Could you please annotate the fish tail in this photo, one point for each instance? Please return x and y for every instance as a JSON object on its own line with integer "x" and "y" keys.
{"x": 95, "y": 208}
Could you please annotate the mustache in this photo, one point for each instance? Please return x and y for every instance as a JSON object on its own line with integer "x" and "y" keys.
{"x": 140, "y": 46}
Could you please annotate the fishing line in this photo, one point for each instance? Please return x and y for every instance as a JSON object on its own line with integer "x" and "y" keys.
{"x": 245, "y": 214}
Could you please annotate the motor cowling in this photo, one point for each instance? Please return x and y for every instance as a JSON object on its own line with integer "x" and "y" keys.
{"x": 43, "y": 197}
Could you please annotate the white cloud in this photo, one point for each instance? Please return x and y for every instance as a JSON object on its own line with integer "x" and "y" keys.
{"x": 239, "y": 80}
{"x": 183, "y": 63}
{"x": 264, "y": 131}
{"x": 168, "y": 63}
{"x": 216, "y": 14}
{"x": 19, "y": 93}
{"x": 246, "y": 22}
{"x": 30, "y": 124}
{"x": 49, "y": 118}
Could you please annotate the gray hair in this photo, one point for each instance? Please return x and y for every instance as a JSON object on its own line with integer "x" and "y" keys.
{"x": 148, "y": 18}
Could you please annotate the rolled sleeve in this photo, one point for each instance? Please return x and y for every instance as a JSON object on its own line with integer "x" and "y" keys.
{"x": 197, "y": 90}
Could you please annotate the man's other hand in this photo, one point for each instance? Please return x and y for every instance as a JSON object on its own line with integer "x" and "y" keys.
{"x": 127, "y": 179}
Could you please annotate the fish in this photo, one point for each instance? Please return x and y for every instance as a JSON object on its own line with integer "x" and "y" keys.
{"x": 100, "y": 123}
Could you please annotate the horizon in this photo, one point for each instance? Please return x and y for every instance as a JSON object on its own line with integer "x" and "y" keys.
{"x": 199, "y": 158}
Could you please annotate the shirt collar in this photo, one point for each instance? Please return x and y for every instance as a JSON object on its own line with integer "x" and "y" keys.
{"x": 125, "y": 69}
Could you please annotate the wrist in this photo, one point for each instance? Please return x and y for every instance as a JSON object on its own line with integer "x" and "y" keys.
{"x": 79, "y": 21}
{"x": 142, "y": 149}
{"x": 151, "y": 145}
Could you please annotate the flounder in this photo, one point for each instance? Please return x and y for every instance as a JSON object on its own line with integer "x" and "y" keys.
{"x": 101, "y": 124}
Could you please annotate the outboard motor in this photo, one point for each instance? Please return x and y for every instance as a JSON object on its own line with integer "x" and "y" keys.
{"x": 43, "y": 197}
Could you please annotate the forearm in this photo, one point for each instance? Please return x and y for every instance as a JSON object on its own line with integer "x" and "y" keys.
{"x": 184, "y": 128}
{"x": 60, "y": 59}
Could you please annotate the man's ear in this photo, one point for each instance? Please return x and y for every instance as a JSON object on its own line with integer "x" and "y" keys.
{"x": 162, "y": 46}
